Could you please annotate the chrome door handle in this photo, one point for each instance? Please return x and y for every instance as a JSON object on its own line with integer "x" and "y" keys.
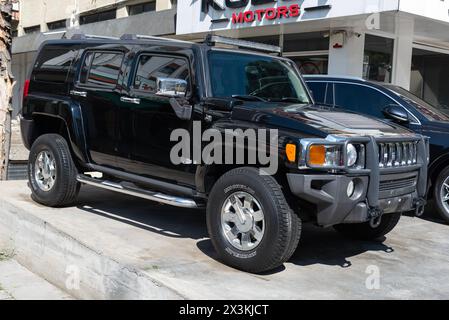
{"x": 130, "y": 100}
{"x": 79, "y": 93}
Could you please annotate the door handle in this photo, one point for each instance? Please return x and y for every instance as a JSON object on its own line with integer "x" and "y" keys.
{"x": 130, "y": 100}
{"x": 79, "y": 93}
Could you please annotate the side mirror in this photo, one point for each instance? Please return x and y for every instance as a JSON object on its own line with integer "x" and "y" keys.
{"x": 171, "y": 88}
{"x": 397, "y": 113}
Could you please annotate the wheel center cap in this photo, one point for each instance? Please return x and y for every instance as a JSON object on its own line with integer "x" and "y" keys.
{"x": 246, "y": 225}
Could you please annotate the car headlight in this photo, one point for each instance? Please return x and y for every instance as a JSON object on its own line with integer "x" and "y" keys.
{"x": 325, "y": 156}
{"x": 333, "y": 156}
{"x": 351, "y": 155}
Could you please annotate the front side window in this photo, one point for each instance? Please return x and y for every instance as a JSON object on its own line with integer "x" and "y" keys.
{"x": 150, "y": 68}
{"x": 262, "y": 77}
{"x": 361, "y": 99}
{"x": 101, "y": 69}
{"x": 319, "y": 90}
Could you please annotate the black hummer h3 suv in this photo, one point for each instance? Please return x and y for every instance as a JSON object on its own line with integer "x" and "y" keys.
{"x": 110, "y": 106}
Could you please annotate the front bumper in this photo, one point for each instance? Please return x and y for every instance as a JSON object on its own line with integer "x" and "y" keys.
{"x": 378, "y": 190}
{"x": 329, "y": 194}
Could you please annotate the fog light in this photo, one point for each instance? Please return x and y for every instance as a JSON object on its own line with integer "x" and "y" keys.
{"x": 351, "y": 188}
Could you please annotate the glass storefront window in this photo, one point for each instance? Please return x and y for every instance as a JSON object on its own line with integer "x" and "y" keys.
{"x": 429, "y": 78}
{"x": 378, "y": 58}
{"x": 312, "y": 64}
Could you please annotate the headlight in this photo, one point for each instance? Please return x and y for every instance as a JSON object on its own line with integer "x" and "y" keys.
{"x": 351, "y": 155}
{"x": 325, "y": 155}
{"x": 332, "y": 156}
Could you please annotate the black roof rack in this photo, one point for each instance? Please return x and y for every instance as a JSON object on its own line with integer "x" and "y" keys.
{"x": 82, "y": 36}
{"x": 145, "y": 37}
{"x": 211, "y": 40}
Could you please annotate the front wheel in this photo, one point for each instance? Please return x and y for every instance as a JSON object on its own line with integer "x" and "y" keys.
{"x": 365, "y": 231}
{"x": 441, "y": 194}
{"x": 250, "y": 222}
{"x": 51, "y": 172}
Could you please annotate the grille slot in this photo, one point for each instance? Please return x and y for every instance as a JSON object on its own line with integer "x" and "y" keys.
{"x": 398, "y": 154}
{"x": 397, "y": 184}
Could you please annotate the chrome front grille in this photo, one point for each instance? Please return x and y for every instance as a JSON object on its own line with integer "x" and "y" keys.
{"x": 398, "y": 154}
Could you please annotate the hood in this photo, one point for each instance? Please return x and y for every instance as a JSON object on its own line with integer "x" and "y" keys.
{"x": 436, "y": 126}
{"x": 315, "y": 120}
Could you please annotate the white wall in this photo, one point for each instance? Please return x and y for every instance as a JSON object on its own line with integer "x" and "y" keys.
{"x": 41, "y": 12}
{"x": 433, "y": 9}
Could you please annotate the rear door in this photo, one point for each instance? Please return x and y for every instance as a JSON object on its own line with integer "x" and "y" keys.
{"x": 146, "y": 120}
{"x": 98, "y": 91}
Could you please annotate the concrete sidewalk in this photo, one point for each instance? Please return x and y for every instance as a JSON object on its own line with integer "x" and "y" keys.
{"x": 18, "y": 283}
{"x": 126, "y": 248}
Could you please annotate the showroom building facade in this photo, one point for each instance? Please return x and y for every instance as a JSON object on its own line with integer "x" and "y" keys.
{"x": 401, "y": 42}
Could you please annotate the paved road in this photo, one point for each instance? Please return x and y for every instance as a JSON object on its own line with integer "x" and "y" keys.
{"x": 171, "y": 245}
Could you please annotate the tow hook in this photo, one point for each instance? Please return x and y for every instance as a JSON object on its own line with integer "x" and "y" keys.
{"x": 420, "y": 205}
{"x": 376, "y": 217}
{"x": 375, "y": 222}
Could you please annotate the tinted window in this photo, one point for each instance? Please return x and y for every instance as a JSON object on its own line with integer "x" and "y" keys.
{"x": 361, "y": 99}
{"x": 150, "y": 68}
{"x": 260, "y": 76}
{"x": 53, "y": 64}
{"x": 426, "y": 109}
{"x": 101, "y": 68}
{"x": 99, "y": 16}
{"x": 318, "y": 90}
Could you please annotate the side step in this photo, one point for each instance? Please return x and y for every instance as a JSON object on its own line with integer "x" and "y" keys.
{"x": 131, "y": 189}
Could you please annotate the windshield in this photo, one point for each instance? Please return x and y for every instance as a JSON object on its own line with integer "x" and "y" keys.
{"x": 255, "y": 77}
{"x": 423, "y": 107}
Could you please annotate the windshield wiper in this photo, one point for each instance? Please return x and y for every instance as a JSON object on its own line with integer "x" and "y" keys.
{"x": 248, "y": 98}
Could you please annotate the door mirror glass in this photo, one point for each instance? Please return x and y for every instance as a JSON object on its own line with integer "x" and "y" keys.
{"x": 173, "y": 88}
{"x": 396, "y": 113}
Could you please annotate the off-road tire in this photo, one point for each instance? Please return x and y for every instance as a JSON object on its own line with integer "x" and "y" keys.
{"x": 363, "y": 231}
{"x": 65, "y": 189}
{"x": 440, "y": 210}
{"x": 282, "y": 225}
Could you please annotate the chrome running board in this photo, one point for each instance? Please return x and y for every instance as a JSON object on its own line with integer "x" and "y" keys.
{"x": 131, "y": 189}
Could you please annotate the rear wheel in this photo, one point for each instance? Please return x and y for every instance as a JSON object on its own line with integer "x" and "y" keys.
{"x": 366, "y": 231}
{"x": 441, "y": 194}
{"x": 250, "y": 222}
{"x": 51, "y": 172}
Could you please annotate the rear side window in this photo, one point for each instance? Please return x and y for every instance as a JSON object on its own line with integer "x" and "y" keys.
{"x": 318, "y": 90}
{"x": 54, "y": 63}
{"x": 149, "y": 68}
{"x": 101, "y": 69}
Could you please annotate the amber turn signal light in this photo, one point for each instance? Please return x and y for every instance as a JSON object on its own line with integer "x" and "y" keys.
{"x": 290, "y": 151}
{"x": 317, "y": 155}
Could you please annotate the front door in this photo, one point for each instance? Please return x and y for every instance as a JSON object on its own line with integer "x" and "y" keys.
{"x": 146, "y": 120}
{"x": 97, "y": 91}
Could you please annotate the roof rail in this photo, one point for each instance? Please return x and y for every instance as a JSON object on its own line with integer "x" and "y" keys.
{"x": 145, "y": 37}
{"x": 82, "y": 36}
{"x": 211, "y": 40}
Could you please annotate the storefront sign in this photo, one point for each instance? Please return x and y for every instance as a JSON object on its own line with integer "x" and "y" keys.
{"x": 207, "y": 15}
{"x": 251, "y": 15}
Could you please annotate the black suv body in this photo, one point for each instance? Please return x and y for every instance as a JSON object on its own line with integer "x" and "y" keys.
{"x": 111, "y": 107}
{"x": 397, "y": 105}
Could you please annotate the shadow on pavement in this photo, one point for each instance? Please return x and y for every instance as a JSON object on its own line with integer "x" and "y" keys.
{"x": 144, "y": 214}
{"x": 317, "y": 245}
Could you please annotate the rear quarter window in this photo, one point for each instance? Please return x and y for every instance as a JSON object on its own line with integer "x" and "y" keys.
{"x": 54, "y": 63}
